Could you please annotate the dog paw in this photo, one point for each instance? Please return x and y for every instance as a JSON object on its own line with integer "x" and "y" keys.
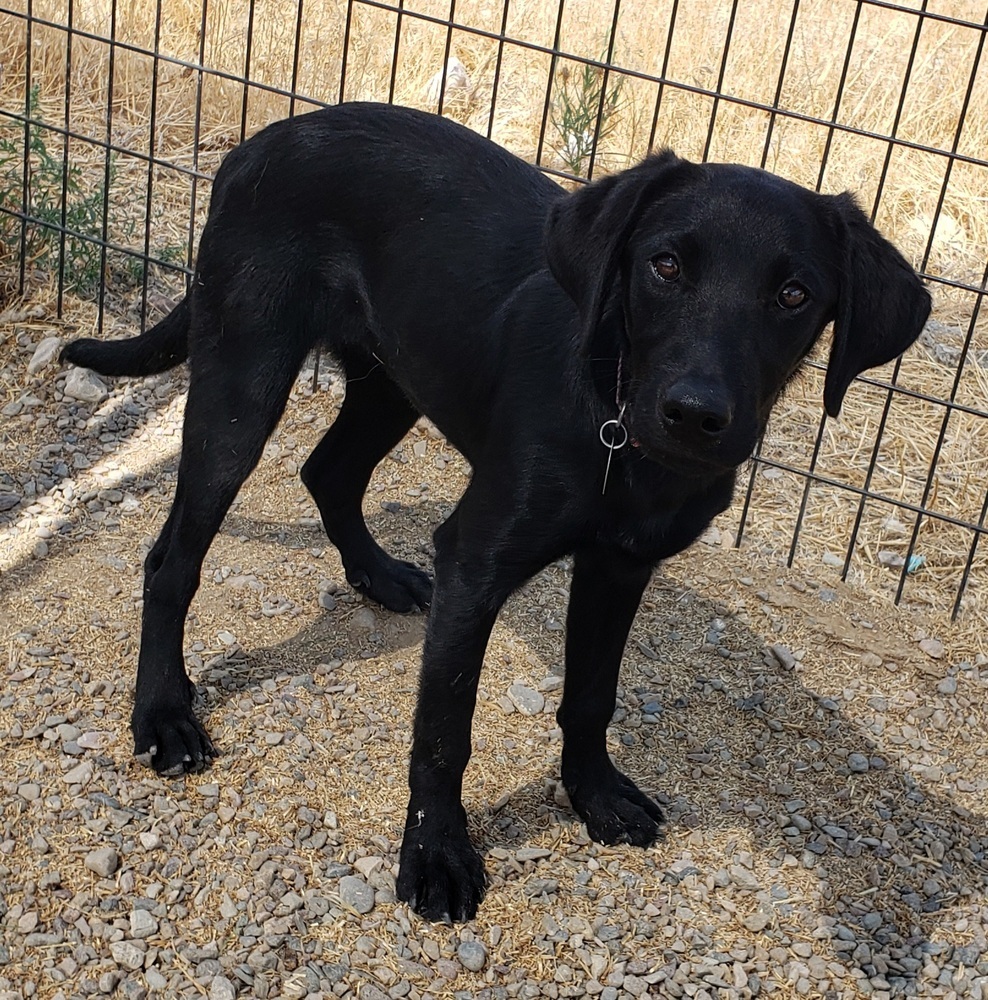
{"x": 441, "y": 876}
{"x": 171, "y": 739}
{"x": 617, "y": 811}
{"x": 394, "y": 584}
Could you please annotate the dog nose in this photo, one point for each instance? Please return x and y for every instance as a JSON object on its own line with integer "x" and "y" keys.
{"x": 693, "y": 410}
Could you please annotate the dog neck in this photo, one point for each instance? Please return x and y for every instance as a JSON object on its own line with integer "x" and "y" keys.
{"x": 613, "y": 433}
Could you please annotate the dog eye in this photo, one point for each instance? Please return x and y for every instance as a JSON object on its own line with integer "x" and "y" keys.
{"x": 792, "y": 296}
{"x": 666, "y": 266}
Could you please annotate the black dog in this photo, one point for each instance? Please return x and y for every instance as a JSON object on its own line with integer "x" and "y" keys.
{"x": 604, "y": 360}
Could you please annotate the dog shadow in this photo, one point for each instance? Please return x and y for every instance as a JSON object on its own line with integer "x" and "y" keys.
{"x": 890, "y": 870}
{"x": 737, "y": 749}
{"x": 757, "y": 762}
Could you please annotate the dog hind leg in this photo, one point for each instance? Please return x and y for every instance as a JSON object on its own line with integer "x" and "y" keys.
{"x": 237, "y": 393}
{"x": 374, "y": 417}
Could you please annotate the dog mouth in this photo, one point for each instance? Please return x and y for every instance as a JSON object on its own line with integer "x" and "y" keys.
{"x": 717, "y": 456}
{"x": 686, "y": 462}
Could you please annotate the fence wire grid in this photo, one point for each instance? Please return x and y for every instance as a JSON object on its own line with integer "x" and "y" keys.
{"x": 114, "y": 115}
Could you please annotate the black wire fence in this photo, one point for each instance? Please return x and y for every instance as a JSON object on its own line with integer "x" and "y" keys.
{"x": 114, "y": 115}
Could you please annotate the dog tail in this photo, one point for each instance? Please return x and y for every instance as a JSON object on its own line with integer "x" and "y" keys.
{"x": 156, "y": 350}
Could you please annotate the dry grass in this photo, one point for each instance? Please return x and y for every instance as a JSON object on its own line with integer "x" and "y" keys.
{"x": 904, "y": 185}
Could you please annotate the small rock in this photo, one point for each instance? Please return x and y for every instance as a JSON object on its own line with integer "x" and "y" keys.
{"x": 861, "y": 954}
{"x": 364, "y": 618}
{"x": 40, "y": 940}
{"x": 44, "y": 354}
{"x": 8, "y": 501}
{"x": 155, "y": 980}
{"x": 104, "y": 862}
{"x": 857, "y": 762}
{"x": 222, "y": 989}
{"x": 635, "y": 985}
{"x": 948, "y": 685}
{"x": 371, "y": 992}
{"x": 525, "y": 699}
{"x": 133, "y": 990}
{"x": 83, "y": 385}
{"x": 142, "y": 924}
{"x": 784, "y": 655}
{"x": 95, "y": 740}
{"x": 756, "y": 921}
{"x": 367, "y": 866}
{"x": 78, "y": 775}
{"x": 744, "y": 879}
{"x": 472, "y": 955}
{"x": 356, "y": 894}
{"x": 127, "y": 954}
{"x": 447, "y": 968}
{"x": 932, "y": 647}
{"x": 968, "y": 955}
{"x": 541, "y": 886}
{"x": 532, "y": 853}
{"x": 871, "y": 659}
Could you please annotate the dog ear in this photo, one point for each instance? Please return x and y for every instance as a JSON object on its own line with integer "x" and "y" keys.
{"x": 587, "y": 230}
{"x": 882, "y": 306}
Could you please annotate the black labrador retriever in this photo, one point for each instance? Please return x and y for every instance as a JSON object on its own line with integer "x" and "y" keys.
{"x": 605, "y": 360}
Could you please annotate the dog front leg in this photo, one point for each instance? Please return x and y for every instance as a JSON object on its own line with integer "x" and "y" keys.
{"x": 442, "y": 876}
{"x": 606, "y": 590}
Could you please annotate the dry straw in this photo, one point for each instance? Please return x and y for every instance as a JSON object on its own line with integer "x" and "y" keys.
{"x": 936, "y": 211}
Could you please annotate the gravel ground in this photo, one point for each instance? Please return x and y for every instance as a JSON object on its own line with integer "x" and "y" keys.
{"x": 822, "y": 756}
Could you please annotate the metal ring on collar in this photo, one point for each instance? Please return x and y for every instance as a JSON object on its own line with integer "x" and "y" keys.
{"x": 614, "y": 444}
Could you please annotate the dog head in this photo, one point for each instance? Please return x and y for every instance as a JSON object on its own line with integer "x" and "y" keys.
{"x": 712, "y": 282}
